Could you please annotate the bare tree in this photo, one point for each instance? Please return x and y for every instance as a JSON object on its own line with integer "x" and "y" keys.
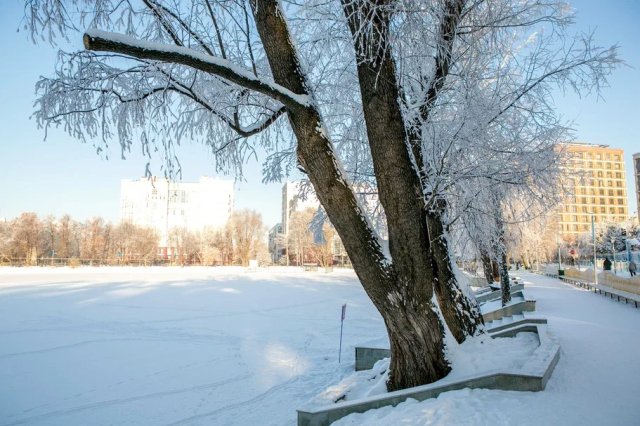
{"x": 248, "y": 232}
{"x": 300, "y": 237}
{"x": 6, "y": 242}
{"x": 145, "y": 244}
{"x": 422, "y": 97}
{"x": 26, "y": 237}
{"x": 64, "y": 236}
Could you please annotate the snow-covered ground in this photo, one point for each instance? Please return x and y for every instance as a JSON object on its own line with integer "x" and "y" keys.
{"x": 596, "y": 382}
{"x": 161, "y": 346}
{"x": 198, "y": 346}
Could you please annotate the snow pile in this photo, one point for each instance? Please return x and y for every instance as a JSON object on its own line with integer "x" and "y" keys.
{"x": 479, "y": 355}
{"x": 494, "y": 305}
{"x": 362, "y": 384}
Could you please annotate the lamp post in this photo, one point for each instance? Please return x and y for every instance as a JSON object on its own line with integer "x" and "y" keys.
{"x": 559, "y": 260}
{"x": 593, "y": 240}
{"x": 613, "y": 251}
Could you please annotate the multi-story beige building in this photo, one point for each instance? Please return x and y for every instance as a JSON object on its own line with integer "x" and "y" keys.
{"x": 597, "y": 180}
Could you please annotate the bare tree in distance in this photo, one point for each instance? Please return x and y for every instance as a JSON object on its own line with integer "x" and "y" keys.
{"x": 424, "y": 98}
{"x": 248, "y": 231}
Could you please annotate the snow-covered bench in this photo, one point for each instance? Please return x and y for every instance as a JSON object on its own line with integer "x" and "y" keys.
{"x": 601, "y": 289}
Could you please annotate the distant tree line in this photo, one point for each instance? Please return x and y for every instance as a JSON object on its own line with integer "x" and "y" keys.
{"x": 30, "y": 240}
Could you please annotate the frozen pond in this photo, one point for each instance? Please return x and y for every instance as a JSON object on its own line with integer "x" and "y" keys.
{"x": 161, "y": 346}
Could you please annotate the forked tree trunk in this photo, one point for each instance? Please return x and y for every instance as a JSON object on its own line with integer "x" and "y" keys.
{"x": 402, "y": 291}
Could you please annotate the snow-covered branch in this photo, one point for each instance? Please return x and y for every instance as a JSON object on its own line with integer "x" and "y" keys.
{"x": 101, "y": 41}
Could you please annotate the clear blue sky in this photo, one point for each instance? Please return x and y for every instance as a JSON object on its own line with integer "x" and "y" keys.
{"x": 62, "y": 175}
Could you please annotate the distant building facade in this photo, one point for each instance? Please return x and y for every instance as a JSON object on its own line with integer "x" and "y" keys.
{"x": 163, "y": 205}
{"x": 297, "y": 197}
{"x": 276, "y": 243}
{"x": 597, "y": 179}
{"x": 636, "y": 169}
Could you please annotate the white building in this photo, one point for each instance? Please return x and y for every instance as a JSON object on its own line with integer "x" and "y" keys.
{"x": 163, "y": 205}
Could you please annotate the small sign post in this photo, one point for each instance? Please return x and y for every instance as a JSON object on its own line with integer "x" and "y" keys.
{"x": 344, "y": 312}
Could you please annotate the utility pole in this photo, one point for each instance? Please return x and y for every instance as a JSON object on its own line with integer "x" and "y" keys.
{"x": 593, "y": 239}
{"x": 559, "y": 260}
{"x": 613, "y": 251}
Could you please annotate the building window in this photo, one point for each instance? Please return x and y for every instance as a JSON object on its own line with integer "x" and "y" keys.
{"x": 599, "y": 157}
{"x": 603, "y": 209}
{"x": 618, "y": 175}
{"x": 608, "y": 156}
{"x": 621, "y": 201}
{"x": 621, "y": 210}
{"x": 602, "y": 201}
{"x": 617, "y": 157}
{"x": 617, "y": 166}
{"x": 619, "y": 184}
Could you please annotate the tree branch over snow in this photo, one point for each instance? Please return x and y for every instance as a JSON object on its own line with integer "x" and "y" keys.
{"x": 102, "y": 41}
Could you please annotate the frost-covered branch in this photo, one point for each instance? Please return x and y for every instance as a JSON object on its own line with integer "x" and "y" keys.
{"x": 101, "y": 41}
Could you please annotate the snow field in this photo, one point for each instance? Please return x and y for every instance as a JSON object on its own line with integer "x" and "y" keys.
{"x": 198, "y": 346}
{"x": 161, "y": 346}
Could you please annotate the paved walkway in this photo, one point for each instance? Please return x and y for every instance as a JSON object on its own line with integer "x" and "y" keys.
{"x": 596, "y": 382}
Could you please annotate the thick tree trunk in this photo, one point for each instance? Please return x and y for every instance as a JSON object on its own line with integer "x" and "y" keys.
{"x": 401, "y": 292}
{"x": 495, "y": 270}
{"x": 504, "y": 279}
{"x": 487, "y": 265}
{"x": 501, "y": 254}
{"x": 460, "y": 311}
{"x": 422, "y": 259}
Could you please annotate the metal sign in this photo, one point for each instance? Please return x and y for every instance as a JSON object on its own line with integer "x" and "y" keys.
{"x": 344, "y": 313}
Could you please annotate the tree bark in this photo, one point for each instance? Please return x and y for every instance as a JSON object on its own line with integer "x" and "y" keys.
{"x": 501, "y": 254}
{"x": 487, "y": 264}
{"x": 460, "y": 312}
{"x": 401, "y": 291}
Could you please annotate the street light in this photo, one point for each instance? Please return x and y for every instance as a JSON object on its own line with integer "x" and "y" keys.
{"x": 559, "y": 262}
{"x": 613, "y": 251}
{"x": 593, "y": 240}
